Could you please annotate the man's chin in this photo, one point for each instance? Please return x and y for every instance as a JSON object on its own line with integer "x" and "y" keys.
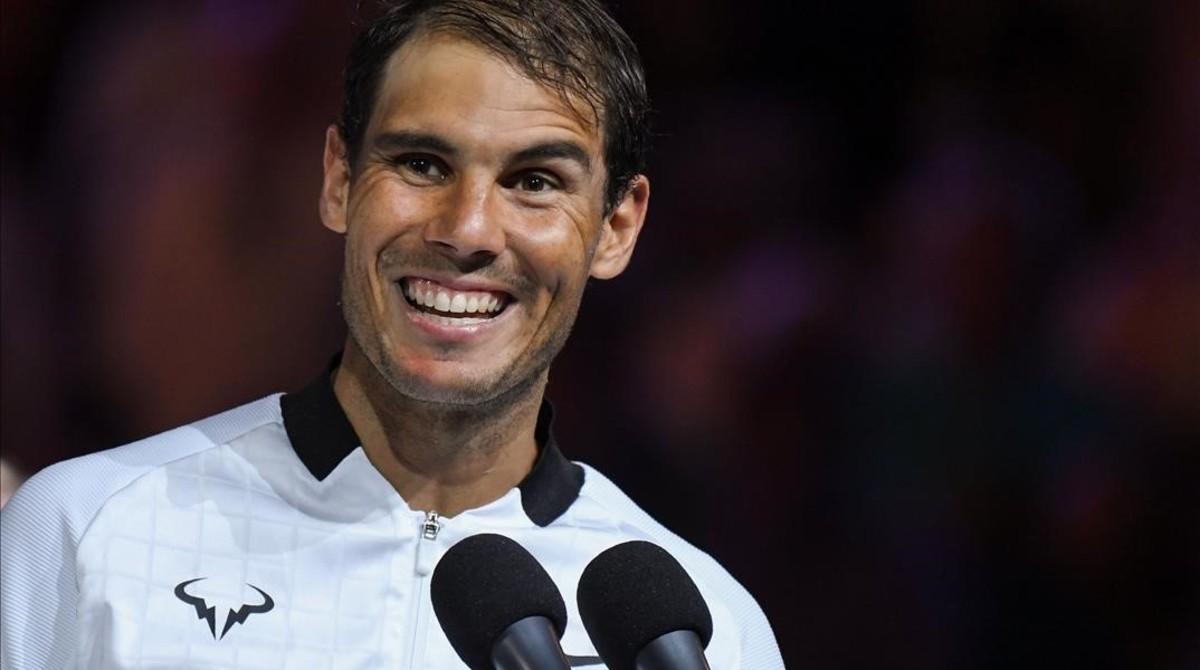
{"x": 455, "y": 390}
{"x": 464, "y": 398}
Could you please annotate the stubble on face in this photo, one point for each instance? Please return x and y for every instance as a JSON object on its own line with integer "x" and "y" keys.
{"x": 526, "y": 374}
{"x": 544, "y": 268}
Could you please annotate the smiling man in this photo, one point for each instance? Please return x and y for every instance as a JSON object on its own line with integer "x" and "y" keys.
{"x": 474, "y": 209}
{"x": 488, "y": 162}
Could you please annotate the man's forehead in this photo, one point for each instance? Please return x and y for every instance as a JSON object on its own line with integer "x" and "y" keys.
{"x": 440, "y": 67}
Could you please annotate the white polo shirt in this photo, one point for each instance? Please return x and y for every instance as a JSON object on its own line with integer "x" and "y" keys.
{"x": 262, "y": 537}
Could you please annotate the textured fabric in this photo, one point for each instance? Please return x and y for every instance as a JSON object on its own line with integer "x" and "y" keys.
{"x": 214, "y": 546}
{"x": 40, "y": 529}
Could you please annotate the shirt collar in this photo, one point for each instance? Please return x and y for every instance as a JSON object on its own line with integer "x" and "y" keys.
{"x": 322, "y": 437}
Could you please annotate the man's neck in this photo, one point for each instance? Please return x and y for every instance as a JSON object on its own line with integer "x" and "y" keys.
{"x": 439, "y": 457}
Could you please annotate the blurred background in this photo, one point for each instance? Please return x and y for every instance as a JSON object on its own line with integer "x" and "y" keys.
{"x": 911, "y": 343}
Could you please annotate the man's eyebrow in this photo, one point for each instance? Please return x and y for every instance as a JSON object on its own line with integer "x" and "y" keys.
{"x": 567, "y": 150}
{"x": 407, "y": 140}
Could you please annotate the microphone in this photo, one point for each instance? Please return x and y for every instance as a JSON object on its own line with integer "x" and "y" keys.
{"x": 498, "y": 607}
{"x": 643, "y": 611}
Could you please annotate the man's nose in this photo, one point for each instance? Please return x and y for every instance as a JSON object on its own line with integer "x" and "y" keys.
{"x": 467, "y": 229}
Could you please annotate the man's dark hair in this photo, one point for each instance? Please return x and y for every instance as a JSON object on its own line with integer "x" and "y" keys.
{"x": 571, "y": 46}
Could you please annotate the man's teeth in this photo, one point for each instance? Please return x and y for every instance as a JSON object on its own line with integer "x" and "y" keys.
{"x": 428, "y": 294}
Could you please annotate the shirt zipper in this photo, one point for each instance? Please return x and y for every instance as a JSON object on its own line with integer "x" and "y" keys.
{"x": 429, "y": 529}
{"x": 431, "y": 526}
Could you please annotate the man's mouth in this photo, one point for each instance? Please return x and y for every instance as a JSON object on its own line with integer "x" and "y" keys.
{"x": 462, "y": 306}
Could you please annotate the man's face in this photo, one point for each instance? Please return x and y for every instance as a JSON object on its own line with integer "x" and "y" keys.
{"x": 472, "y": 222}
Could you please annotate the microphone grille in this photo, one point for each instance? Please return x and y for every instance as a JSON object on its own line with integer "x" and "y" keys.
{"x": 484, "y": 584}
{"x": 633, "y": 593}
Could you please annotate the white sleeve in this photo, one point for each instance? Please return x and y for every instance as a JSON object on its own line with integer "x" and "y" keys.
{"x": 40, "y": 530}
{"x": 38, "y": 590}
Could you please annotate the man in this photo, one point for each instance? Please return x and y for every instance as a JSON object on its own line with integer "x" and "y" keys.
{"x": 488, "y": 162}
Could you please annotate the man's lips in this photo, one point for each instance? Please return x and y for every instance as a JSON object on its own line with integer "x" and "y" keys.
{"x": 454, "y": 300}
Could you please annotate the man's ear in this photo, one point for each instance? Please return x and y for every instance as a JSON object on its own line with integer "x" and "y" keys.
{"x": 335, "y": 189}
{"x": 620, "y": 231}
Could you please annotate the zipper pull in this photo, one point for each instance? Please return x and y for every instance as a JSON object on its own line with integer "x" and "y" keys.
{"x": 425, "y": 555}
{"x": 430, "y": 527}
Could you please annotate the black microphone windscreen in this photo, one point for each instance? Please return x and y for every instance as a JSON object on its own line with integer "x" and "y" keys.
{"x": 633, "y": 593}
{"x": 484, "y": 584}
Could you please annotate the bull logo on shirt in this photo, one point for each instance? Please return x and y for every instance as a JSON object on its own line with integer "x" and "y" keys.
{"x": 209, "y": 613}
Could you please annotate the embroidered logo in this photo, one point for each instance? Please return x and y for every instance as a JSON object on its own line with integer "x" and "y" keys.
{"x": 209, "y": 613}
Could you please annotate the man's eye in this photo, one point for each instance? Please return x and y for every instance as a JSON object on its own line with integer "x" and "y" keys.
{"x": 426, "y": 166}
{"x": 536, "y": 182}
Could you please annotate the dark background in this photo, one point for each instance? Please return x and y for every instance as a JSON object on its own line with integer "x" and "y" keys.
{"x": 911, "y": 343}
